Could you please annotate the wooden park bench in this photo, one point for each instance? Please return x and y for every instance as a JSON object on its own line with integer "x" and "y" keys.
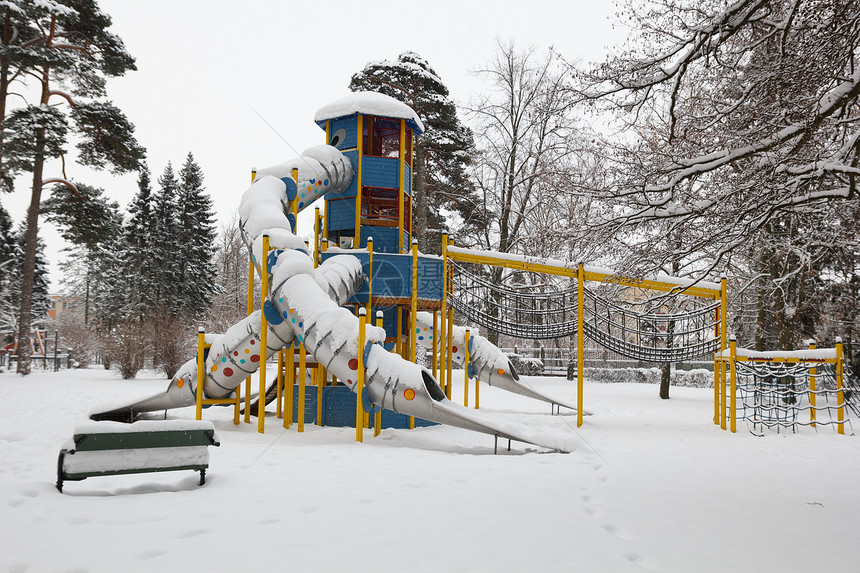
{"x": 114, "y": 448}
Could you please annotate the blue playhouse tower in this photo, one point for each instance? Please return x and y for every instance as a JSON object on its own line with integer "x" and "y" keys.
{"x": 375, "y": 132}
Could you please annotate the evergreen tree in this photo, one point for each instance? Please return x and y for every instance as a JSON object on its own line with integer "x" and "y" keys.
{"x": 195, "y": 242}
{"x": 137, "y": 258}
{"x": 8, "y": 255}
{"x": 63, "y": 42}
{"x": 163, "y": 244}
{"x": 442, "y": 154}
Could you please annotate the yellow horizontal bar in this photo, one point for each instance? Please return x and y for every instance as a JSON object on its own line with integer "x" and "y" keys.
{"x": 589, "y": 275}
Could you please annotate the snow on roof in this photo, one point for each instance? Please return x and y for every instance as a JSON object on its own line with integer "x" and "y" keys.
{"x": 370, "y": 103}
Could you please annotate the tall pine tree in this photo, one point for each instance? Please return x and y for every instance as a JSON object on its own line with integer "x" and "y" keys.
{"x": 66, "y": 47}
{"x": 442, "y": 154}
{"x": 137, "y": 258}
{"x": 163, "y": 245}
{"x": 8, "y": 255}
{"x": 195, "y": 242}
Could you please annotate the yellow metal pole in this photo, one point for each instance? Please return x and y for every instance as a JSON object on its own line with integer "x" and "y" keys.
{"x": 413, "y": 310}
{"x": 580, "y": 339}
{"x": 840, "y": 395}
{"x": 812, "y": 388}
{"x": 280, "y": 378}
{"x": 449, "y": 349}
{"x": 359, "y": 382}
{"x": 377, "y": 416}
{"x": 434, "y": 346}
{"x": 443, "y": 323}
{"x": 264, "y": 327}
{"x": 291, "y": 379}
{"x": 321, "y": 376}
{"x": 370, "y": 276}
{"x": 398, "y": 342}
{"x": 201, "y": 343}
{"x": 296, "y": 200}
{"x": 303, "y": 374}
{"x": 723, "y": 346}
{"x": 250, "y": 311}
{"x": 466, "y": 370}
{"x": 733, "y": 407}
{"x": 316, "y": 237}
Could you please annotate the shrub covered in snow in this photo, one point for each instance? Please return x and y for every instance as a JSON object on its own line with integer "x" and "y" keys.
{"x": 699, "y": 378}
{"x": 525, "y": 365}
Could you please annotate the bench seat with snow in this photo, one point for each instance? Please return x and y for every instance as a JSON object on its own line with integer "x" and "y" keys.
{"x": 114, "y": 448}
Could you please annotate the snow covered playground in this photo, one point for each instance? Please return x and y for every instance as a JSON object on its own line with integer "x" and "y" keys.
{"x": 465, "y": 453}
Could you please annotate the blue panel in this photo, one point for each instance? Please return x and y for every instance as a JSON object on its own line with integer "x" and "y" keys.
{"x": 384, "y": 238}
{"x": 350, "y": 127}
{"x": 310, "y": 404}
{"x": 340, "y": 215}
{"x": 380, "y": 172}
{"x": 407, "y": 181}
{"x": 429, "y": 278}
{"x": 339, "y": 411}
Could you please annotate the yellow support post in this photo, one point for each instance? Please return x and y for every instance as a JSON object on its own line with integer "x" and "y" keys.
{"x": 443, "y": 323}
{"x": 280, "y": 378}
{"x": 295, "y": 204}
{"x": 370, "y": 276}
{"x": 359, "y": 377}
{"x": 733, "y": 406}
{"x": 264, "y": 327}
{"x": 840, "y": 395}
{"x": 303, "y": 374}
{"x": 290, "y": 383}
{"x": 466, "y": 380}
{"x": 812, "y": 388}
{"x": 250, "y": 311}
{"x": 321, "y": 376}
{"x": 723, "y": 347}
{"x": 477, "y": 393}
{"x": 201, "y": 345}
{"x": 434, "y": 346}
{"x": 316, "y": 237}
{"x": 377, "y": 416}
{"x": 413, "y": 309}
{"x": 580, "y": 339}
{"x": 449, "y": 345}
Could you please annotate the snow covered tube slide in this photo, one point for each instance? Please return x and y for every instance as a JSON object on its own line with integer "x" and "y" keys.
{"x": 305, "y": 304}
{"x": 486, "y": 361}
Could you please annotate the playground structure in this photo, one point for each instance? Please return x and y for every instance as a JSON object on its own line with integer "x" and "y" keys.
{"x": 42, "y": 350}
{"x": 319, "y": 302}
{"x": 783, "y": 390}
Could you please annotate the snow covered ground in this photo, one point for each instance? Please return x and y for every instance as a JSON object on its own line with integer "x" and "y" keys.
{"x": 654, "y": 486}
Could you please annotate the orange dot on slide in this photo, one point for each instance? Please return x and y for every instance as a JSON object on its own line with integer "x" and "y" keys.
{"x": 409, "y": 394}
{"x": 501, "y": 371}
{"x": 180, "y": 382}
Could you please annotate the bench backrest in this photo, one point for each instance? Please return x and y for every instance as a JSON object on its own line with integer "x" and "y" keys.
{"x": 86, "y": 442}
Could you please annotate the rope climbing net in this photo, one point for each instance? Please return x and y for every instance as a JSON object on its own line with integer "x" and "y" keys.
{"x": 669, "y": 331}
{"x": 782, "y": 396}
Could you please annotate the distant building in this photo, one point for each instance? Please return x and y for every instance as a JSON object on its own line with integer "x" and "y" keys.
{"x": 62, "y": 304}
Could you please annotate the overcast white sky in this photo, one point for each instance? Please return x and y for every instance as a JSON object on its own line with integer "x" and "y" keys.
{"x": 205, "y": 66}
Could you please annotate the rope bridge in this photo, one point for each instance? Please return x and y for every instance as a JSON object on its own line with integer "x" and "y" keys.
{"x": 520, "y": 312}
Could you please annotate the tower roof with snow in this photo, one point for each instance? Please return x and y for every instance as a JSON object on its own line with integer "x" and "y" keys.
{"x": 369, "y": 103}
